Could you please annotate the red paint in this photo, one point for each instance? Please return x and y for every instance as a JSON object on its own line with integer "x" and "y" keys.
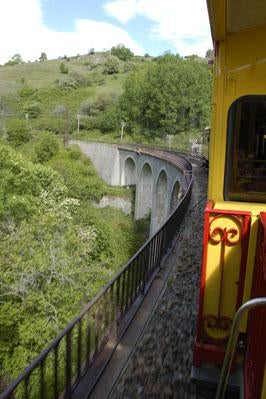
{"x": 256, "y": 328}
{"x": 206, "y": 347}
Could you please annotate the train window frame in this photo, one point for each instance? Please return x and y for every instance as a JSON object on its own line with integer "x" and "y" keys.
{"x": 230, "y": 159}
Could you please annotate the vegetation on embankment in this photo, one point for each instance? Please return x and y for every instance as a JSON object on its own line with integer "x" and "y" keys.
{"x": 53, "y": 243}
{"x": 56, "y": 250}
{"x": 154, "y": 98}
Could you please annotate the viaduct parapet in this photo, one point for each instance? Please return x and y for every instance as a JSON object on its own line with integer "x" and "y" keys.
{"x": 159, "y": 182}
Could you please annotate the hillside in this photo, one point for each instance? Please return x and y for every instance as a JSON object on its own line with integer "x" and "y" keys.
{"x": 56, "y": 249}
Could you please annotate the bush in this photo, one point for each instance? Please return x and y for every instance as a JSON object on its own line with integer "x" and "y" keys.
{"x": 67, "y": 83}
{"x": 46, "y": 147}
{"x": 111, "y": 65}
{"x": 26, "y": 91}
{"x": 122, "y": 52}
{"x": 18, "y": 132}
{"x": 63, "y": 68}
{"x": 33, "y": 109}
{"x": 81, "y": 79}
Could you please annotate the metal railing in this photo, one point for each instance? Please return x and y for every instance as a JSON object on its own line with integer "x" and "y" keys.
{"x": 58, "y": 370}
{"x": 232, "y": 342}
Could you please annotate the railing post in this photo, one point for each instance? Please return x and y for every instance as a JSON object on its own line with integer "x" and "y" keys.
{"x": 231, "y": 346}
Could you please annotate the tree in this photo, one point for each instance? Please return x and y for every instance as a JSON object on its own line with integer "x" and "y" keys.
{"x": 43, "y": 57}
{"x": 15, "y": 60}
{"x": 209, "y": 53}
{"x": 18, "y": 132}
{"x": 169, "y": 96}
{"x": 46, "y": 147}
{"x": 32, "y": 108}
{"x": 122, "y": 52}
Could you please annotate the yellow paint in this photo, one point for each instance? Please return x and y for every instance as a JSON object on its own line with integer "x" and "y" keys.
{"x": 239, "y": 28}
{"x": 240, "y": 69}
{"x": 263, "y": 396}
{"x": 213, "y": 274}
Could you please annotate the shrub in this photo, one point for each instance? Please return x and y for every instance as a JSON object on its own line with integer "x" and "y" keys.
{"x": 67, "y": 83}
{"x": 122, "y": 52}
{"x": 33, "y": 109}
{"x": 46, "y": 147}
{"x": 81, "y": 80}
{"x": 111, "y": 65}
{"x": 18, "y": 132}
{"x": 26, "y": 91}
{"x": 63, "y": 68}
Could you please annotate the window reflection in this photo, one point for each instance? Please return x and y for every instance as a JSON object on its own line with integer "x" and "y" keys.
{"x": 245, "y": 178}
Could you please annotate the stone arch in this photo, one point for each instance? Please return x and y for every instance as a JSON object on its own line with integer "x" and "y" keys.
{"x": 145, "y": 191}
{"x": 175, "y": 196}
{"x": 161, "y": 199}
{"x": 129, "y": 176}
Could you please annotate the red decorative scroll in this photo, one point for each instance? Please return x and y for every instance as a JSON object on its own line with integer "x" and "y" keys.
{"x": 225, "y": 237}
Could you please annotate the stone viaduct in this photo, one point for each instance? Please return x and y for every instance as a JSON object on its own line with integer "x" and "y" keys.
{"x": 159, "y": 184}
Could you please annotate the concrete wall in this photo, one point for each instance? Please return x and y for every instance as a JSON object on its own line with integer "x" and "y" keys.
{"x": 159, "y": 185}
{"x": 105, "y": 158}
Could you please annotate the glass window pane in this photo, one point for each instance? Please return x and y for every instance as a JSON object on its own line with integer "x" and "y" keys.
{"x": 245, "y": 176}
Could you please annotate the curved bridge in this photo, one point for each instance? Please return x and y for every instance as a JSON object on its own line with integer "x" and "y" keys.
{"x": 73, "y": 362}
{"x": 160, "y": 177}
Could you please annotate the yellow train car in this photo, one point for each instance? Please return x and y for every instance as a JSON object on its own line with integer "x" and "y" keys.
{"x": 234, "y": 253}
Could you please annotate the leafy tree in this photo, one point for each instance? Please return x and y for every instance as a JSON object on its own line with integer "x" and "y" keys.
{"x": 33, "y": 109}
{"x": 46, "y": 147}
{"x": 209, "y": 53}
{"x": 18, "y": 132}
{"x": 168, "y": 96}
{"x": 122, "y": 52}
{"x": 15, "y": 60}
{"x": 43, "y": 57}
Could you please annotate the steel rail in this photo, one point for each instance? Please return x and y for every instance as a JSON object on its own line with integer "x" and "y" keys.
{"x": 232, "y": 342}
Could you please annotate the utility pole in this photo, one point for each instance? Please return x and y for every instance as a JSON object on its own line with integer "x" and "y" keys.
{"x": 122, "y": 130}
{"x": 78, "y": 118}
{"x": 66, "y": 133}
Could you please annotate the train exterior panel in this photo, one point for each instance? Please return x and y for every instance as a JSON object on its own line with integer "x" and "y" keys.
{"x": 234, "y": 253}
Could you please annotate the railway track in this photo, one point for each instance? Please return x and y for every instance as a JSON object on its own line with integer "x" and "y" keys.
{"x": 154, "y": 357}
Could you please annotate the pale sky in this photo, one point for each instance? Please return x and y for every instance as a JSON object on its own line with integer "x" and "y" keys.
{"x": 60, "y": 27}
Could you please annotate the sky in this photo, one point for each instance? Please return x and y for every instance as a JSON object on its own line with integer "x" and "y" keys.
{"x": 64, "y": 27}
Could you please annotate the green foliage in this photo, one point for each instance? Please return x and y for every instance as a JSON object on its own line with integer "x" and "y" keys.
{"x": 168, "y": 96}
{"x": 63, "y": 68}
{"x": 79, "y": 176}
{"x": 209, "y": 53}
{"x": 26, "y": 91}
{"x": 67, "y": 83}
{"x": 15, "y": 60}
{"x": 56, "y": 251}
{"x": 111, "y": 65}
{"x": 32, "y": 108}
{"x": 122, "y": 52}
{"x": 18, "y": 132}
{"x": 22, "y": 184}
{"x": 46, "y": 147}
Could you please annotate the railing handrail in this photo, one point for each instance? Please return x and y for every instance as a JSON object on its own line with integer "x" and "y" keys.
{"x": 154, "y": 248}
{"x": 231, "y": 346}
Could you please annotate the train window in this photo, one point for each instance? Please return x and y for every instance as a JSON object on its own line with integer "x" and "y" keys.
{"x": 245, "y": 172}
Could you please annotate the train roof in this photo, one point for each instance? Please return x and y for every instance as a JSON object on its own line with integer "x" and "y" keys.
{"x": 229, "y": 16}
